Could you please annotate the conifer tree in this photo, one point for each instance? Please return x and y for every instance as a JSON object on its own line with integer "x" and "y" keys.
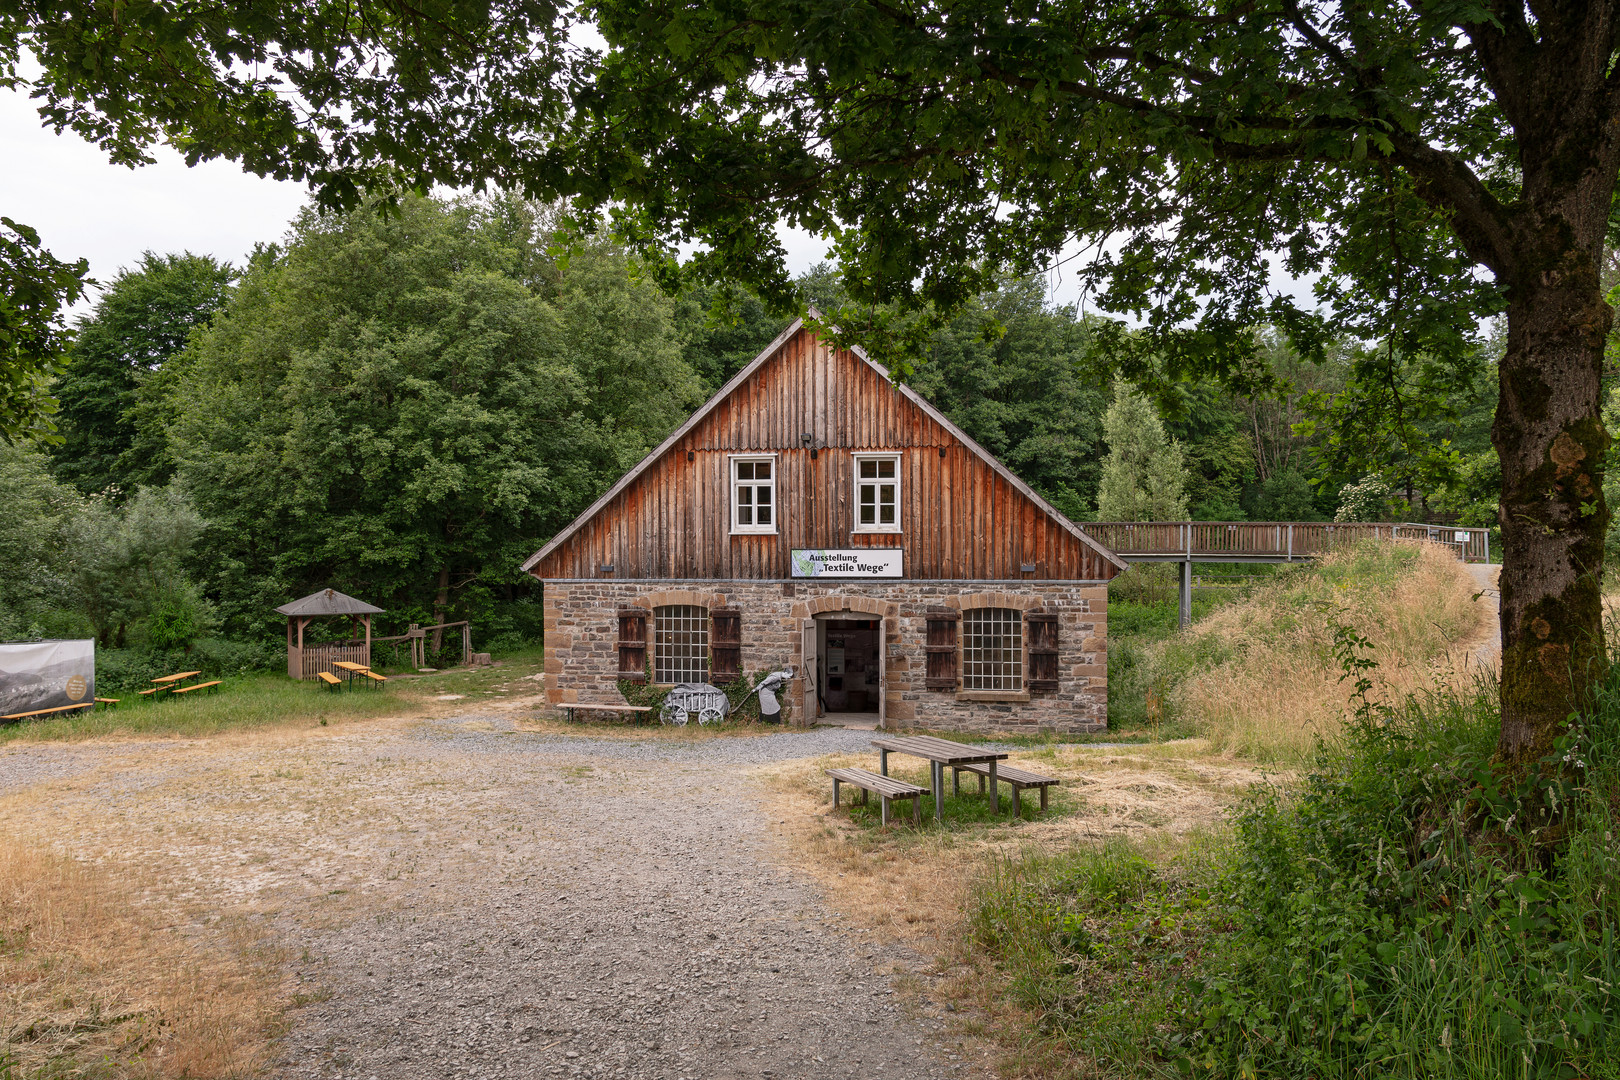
{"x": 1145, "y": 475}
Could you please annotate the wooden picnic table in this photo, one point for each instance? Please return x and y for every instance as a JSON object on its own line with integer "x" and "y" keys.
{"x": 165, "y": 680}
{"x": 943, "y": 754}
{"x": 351, "y": 668}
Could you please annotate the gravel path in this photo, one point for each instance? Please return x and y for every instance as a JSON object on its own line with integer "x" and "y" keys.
{"x": 463, "y": 900}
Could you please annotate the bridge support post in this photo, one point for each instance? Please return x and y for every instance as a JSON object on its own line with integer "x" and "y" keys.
{"x": 1186, "y": 592}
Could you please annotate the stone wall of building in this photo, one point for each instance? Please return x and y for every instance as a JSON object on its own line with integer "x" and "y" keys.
{"x": 582, "y": 630}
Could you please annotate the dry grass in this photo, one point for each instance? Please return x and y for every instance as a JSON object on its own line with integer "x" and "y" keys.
{"x": 91, "y": 984}
{"x": 912, "y": 883}
{"x": 1275, "y": 688}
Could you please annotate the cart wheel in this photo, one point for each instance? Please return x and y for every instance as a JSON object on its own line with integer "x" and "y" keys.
{"x": 711, "y": 715}
{"x": 672, "y": 713}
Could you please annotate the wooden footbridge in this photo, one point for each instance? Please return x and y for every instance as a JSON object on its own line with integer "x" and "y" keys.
{"x": 1188, "y": 542}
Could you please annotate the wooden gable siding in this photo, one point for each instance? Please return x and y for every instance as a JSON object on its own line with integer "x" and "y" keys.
{"x": 961, "y": 519}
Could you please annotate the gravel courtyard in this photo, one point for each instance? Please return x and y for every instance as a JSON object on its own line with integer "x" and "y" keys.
{"x": 456, "y": 898}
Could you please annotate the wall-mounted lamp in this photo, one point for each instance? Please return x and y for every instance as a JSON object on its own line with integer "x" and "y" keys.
{"x": 942, "y": 451}
{"x": 690, "y": 456}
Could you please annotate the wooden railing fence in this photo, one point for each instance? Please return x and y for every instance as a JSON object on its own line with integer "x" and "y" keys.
{"x": 1270, "y": 541}
{"x": 303, "y": 663}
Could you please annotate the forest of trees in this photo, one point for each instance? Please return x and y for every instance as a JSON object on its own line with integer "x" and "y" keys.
{"x": 405, "y": 404}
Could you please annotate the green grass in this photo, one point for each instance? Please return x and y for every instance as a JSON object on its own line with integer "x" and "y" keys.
{"x": 266, "y": 699}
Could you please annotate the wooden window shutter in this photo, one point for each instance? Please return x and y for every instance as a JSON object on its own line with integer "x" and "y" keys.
{"x": 725, "y": 644}
{"x": 941, "y": 671}
{"x": 1042, "y": 629}
{"x": 633, "y": 644}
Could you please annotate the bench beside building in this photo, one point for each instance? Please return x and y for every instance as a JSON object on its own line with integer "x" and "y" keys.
{"x": 815, "y": 514}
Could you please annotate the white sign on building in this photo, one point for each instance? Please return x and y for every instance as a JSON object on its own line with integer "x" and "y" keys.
{"x": 847, "y": 563}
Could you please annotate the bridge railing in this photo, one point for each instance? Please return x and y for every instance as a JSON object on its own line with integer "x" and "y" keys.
{"x": 1272, "y": 540}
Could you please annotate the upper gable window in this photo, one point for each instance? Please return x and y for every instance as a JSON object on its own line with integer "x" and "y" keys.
{"x": 877, "y": 492}
{"x": 753, "y": 494}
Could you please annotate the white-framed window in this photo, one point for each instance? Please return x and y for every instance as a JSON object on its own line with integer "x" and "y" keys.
{"x": 680, "y": 644}
{"x": 992, "y": 649}
{"x": 877, "y": 492}
{"x": 753, "y": 494}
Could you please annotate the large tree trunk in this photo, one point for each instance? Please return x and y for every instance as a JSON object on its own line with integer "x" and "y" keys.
{"x": 1552, "y": 447}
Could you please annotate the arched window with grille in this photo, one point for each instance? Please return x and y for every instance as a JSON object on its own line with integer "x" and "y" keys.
{"x": 680, "y": 644}
{"x": 992, "y": 649}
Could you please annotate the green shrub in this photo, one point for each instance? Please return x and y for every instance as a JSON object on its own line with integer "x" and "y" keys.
{"x": 1409, "y": 911}
{"x": 1412, "y": 912}
{"x": 134, "y": 669}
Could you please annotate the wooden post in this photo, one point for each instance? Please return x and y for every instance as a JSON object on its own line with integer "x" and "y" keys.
{"x": 466, "y": 644}
{"x": 1186, "y": 593}
{"x": 367, "y": 660}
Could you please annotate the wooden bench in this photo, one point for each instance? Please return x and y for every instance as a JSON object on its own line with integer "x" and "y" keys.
{"x": 635, "y": 711}
{"x": 47, "y": 712}
{"x": 886, "y": 788}
{"x": 149, "y": 693}
{"x": 197, "y": 686}
{"x": 1017, "y": 779}
{"x": 107, "y": 700}
{"x": 331, "y": 680}
{"x": 374, "y": 677}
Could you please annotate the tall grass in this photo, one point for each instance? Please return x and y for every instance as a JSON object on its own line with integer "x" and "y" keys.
{"x": 1408, "y": 912}
{"x": 1258, "y": 677}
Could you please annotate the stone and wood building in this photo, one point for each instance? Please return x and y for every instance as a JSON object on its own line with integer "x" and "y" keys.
{"x": 814, "y": 514}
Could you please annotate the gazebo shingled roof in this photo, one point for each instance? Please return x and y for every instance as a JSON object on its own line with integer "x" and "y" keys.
{"x": 328, "y": 602}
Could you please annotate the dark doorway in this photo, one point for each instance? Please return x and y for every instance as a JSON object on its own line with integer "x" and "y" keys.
{"x": 850, "y": 672}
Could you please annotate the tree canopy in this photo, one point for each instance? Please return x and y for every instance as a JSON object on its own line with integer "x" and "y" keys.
{"x": 140, "y": 321}
{"x": 403, "y": 403}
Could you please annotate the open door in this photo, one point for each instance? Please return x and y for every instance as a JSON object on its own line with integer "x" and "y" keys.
{"x": 883, "y": 674}
{"x": 809, "y": 673}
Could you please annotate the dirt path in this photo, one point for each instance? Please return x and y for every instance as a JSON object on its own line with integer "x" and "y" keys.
{"x": 1487, "y": 648}
{"x": 459, "y": 899}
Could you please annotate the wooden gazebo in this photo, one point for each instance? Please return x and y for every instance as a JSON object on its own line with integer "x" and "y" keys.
{"x": 303, "y": 661}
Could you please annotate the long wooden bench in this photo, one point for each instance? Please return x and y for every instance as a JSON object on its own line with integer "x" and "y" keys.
{"x": 635, "y": 711}
{"x": 1017, "y": 779}
{"x": 107, "y": 700}
{"x": 331, "y": 680}
{"x": 886, "y": 788}
{"x": 47, "y": 712}
{"x": 150, "y": 693}
{"x": 197, "y": 686}
{"x": 373, "y": 676}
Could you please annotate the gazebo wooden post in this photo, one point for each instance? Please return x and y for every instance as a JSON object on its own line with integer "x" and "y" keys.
{"x": 367, "y": 620}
